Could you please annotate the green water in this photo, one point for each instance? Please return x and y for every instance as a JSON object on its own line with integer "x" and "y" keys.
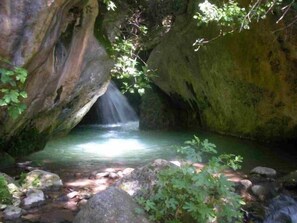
{"x": 95, "y": 147}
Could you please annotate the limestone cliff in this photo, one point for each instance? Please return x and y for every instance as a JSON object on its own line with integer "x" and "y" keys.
{"x": 243, "y": 84}
{"x": 68, "y": 69}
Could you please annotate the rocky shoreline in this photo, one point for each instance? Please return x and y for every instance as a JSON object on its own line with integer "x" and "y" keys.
{"x": 41, "y": 197}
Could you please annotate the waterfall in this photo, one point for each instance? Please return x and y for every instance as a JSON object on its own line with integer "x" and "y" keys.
{"x": 114, "y": 107}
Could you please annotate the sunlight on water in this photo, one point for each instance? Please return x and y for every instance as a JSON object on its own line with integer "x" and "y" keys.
{"x": 101, "y": 145}
{"x": 113, "y": 147}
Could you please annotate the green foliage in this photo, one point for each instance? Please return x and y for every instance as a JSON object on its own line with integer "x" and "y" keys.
{"x": 229, "y": 16}
{"x": 5, "y": 196}
{"x": 11, "y": 89}
{"x": 110, "y": 5}
{"x": 186, "y": 194}
{"x": 22, "y": 178}
{"x": 128, "y": 66}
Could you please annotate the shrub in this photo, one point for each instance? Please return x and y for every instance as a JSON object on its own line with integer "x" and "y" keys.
{"x": 186, "y": 194}
{"x": 12, "y": 83}
{"x": 5, "y": 196}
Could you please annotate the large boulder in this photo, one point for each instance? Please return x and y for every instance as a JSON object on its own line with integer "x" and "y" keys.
{"x": 242, "y": 84}
{"x": 111, "y": 206}
{"x": 142, "y": 181}
{"x": 68, "y": 68}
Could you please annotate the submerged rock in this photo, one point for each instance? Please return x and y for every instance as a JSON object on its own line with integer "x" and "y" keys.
{"x": 43, "y": 180}
{"x": 111, "y": 206}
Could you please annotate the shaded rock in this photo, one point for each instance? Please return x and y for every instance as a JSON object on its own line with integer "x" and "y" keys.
{"x": 6, "y": 160}
{"x": 34, "y": 198}
{"x": 12, "y": 213}
{"x": 289, "y": 180}
{"x": 111, "y": 205}
{"x": 82, "y": 203}
{"x": 265, "y": 191}
{"x": 43, "y": 180}
{"x": 264, "y": 171}
{"x": 282, "y": 209}
{"x": 241, "y": 84}
{"x": 141, "y": 182}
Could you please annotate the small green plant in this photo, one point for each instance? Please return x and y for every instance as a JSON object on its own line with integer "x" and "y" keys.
{"x": 5, "y": 196}
{"x": 22, "y": 178}
{"x": 128, "y": 67}
{"x": 11, "y": 89}
{"x": 186, "y": 194}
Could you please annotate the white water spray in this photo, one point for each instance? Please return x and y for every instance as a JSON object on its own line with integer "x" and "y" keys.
{"x": 114, "y": 107}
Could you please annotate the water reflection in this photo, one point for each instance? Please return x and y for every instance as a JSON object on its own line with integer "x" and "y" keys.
{"x": 108, "y": 145}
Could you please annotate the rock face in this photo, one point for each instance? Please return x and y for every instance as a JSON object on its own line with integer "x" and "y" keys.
{"x": 111, "y": 205}
{"x": 242, "y": 84}
{"x": 68, "y": 69}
